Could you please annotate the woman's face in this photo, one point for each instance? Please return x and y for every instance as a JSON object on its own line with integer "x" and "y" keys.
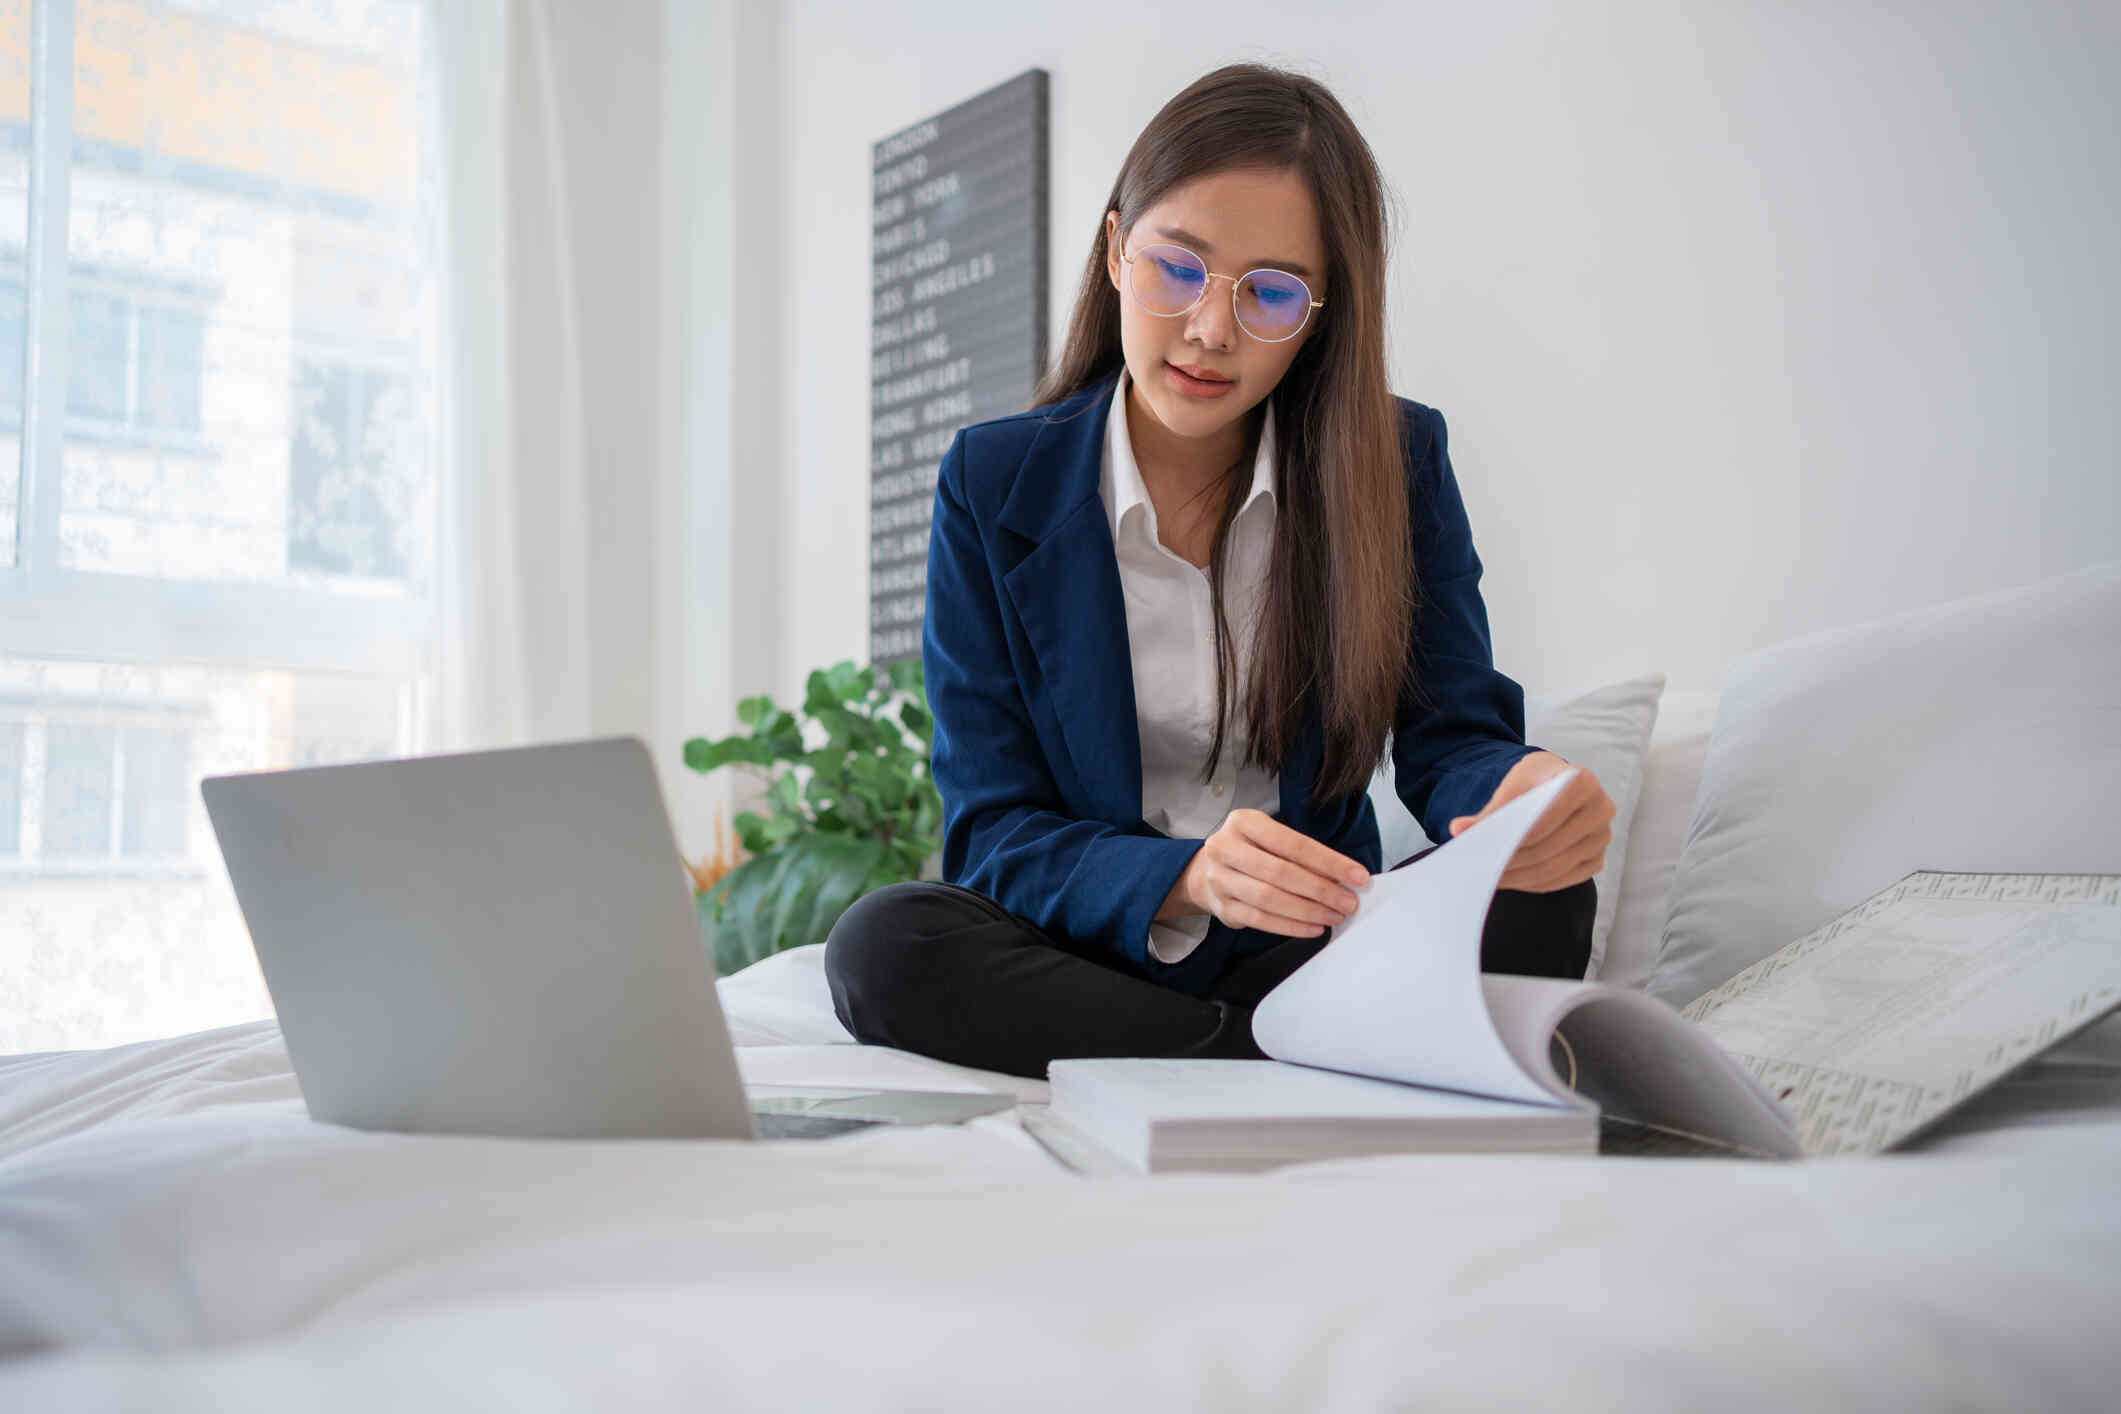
{"x": 1235, "y": 221}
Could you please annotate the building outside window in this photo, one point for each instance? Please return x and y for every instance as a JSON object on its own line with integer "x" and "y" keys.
{"x": 217, "y": 475}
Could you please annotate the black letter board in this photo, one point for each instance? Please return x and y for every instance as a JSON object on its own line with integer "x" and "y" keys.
{"x": 957, "y": 330}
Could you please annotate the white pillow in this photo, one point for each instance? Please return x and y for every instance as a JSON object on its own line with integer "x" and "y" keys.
{"x": 782, "y": 1000}
{"x": 1981, "y": 735}
{"x": 1606, "y": 731}
{"x": 1671, "y": 775}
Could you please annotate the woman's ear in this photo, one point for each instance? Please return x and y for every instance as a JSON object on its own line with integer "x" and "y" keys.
{"x": 1112, "y": 248}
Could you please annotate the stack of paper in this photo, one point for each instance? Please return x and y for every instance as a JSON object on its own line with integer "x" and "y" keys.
{"x": 1241, "y": 1115}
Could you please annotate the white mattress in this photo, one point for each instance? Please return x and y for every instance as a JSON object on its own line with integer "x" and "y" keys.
{"x": 176, "y": 1233}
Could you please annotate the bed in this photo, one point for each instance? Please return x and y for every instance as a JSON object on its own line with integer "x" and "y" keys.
{"x": 176, "y": 1233}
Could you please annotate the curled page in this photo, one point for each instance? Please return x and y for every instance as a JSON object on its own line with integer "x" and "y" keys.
{"x": 1397, "y": 992}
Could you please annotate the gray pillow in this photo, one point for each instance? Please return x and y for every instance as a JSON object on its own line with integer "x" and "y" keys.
{"x": 1980, "y": 735}
{"x": 1606, "y": 731}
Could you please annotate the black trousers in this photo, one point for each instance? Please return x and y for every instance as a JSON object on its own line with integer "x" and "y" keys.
{"x": 947, "y": 972}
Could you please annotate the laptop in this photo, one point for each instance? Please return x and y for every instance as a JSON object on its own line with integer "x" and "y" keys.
{"x": 503, "y": 943}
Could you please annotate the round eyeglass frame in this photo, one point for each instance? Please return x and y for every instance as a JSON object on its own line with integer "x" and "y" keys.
{"x": 1235, "y": 280}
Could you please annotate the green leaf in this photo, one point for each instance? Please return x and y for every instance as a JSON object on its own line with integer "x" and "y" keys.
{"x": 848, "y": 731}
{"x": 818, "y": 693}
{"x": 789, "y": 898}
{"x": 870, "y": 773}
{"x": 737, "y": 925}
{"x": 827, "y": 763}
{"x": 751, "y": 830}
{"x": 927, "y": 813}
{"x": 908, "y": 853}
{"x": 848, "y": 683}
{"x": 860, "y": 815}
{"x": 853, "y": 814}
{"x": 833, "y": 895}
{"x": 873, "y": 806}
{"x": 789, "y": 882}
{"x": 712, "y": 754}
{"x": 811, "y": 895}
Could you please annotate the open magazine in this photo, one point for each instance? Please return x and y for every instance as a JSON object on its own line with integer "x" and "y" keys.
{"x": 1850, "y": 1039}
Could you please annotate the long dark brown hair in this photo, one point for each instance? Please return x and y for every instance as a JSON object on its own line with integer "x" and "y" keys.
{"x": 1338, "y": 608}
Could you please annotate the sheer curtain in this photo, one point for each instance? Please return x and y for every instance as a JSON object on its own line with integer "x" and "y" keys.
{"x": 513, "y": 607}
{"x": 332, "y": 427}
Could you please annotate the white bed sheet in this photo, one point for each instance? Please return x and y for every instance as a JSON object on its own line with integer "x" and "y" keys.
{"x": 176, "y": 1233}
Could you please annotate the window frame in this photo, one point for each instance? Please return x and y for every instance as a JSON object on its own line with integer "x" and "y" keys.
{"x": 50, "y": 611}
{"x": 37, "y": 715}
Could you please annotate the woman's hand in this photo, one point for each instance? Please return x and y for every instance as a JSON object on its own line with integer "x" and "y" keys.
{"x": 1256, "y": 872}
{"x": 1565, "y": 845}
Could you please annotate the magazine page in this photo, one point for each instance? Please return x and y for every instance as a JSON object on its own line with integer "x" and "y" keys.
{"x": 1880, "y": 1022}
{"x": 1397, "y": 992}
{"x": 1635, "y": 1057}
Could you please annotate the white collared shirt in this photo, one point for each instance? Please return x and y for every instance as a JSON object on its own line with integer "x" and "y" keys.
{"x": 1171, "y": 637}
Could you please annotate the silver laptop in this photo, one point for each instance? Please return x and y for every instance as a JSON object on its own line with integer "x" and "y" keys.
{"x": 501, "y": 942}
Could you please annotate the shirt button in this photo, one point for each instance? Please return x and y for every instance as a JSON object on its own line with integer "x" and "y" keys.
{"x": 1218, "y": 790}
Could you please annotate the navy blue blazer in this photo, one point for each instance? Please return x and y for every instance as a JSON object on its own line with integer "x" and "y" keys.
{"x": 1037, "y": 752}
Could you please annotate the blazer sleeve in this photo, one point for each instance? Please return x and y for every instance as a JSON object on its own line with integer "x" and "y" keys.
{"x": 1006, "y": 830}
{"x": 1460, "y": 727}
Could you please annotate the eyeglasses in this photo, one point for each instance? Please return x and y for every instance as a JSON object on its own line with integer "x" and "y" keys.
{"x": 1169, "y": 280}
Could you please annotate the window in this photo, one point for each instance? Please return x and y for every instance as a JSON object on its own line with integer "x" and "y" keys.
{"x": 136, "y": 356}
{"x": 349, "y": 509}
{"x": 135, "y": 367}
{"x": 218, "y": 472}
{"x": 87, "y": 793}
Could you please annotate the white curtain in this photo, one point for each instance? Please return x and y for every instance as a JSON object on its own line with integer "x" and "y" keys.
{"x": 594, "y": 566}
{"x": 506, "y": 341}
{"x": 514, "y": 663}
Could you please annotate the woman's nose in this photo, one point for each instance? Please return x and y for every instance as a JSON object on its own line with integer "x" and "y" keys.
{"x": 1213, "y": 323}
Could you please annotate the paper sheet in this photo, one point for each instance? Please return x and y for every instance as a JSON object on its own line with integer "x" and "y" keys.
{"x": 780, "y": 1070}
{"x": 1397, "y": 992}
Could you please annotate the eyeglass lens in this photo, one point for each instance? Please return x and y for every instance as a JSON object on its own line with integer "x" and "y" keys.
{"x": 1169, "y": 280}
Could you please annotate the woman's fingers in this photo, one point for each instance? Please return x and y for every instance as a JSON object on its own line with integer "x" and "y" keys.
{"x": 1556, "y": 874}
{"x": 1560, "y": 874}
{"x": 1247, "y": 875}
{"x": 1280, "y": 905}
{"x": 1265, "y": 875}
{"x": 1245, "y": 915}
{"x": 1578, "y": 849}
{"x": 1293, "y": 845}
{"x": 1286, "y": 876}
{"x": 1589, "y": 820}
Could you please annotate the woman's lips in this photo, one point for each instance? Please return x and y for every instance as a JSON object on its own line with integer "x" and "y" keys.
{"x": 1197, "y": 387}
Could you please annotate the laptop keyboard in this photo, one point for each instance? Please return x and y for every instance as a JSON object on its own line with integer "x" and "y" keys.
{"x": 787, "y": 1126}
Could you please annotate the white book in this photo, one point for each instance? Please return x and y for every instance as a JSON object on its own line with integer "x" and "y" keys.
{"x": 1243, "y": 1115}
{"x": 1850, "y": 1039}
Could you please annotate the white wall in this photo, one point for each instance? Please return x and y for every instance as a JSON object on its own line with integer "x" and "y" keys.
{"x": 1748, "y": 320}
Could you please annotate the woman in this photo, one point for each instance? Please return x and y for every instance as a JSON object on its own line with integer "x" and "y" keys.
{"x": 1173, "y": 612}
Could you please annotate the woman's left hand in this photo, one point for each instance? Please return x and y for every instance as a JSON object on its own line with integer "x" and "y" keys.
{"x": 1566, "y": 844}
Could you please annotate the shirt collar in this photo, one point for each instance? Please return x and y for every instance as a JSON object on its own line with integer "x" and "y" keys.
{"x": 1123, "y": 489}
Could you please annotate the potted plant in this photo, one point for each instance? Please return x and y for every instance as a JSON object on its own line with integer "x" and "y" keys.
{"x": 851, "y": 814}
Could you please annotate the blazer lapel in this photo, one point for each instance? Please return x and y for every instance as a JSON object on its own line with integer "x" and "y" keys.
{"x": 1067, "y": 593}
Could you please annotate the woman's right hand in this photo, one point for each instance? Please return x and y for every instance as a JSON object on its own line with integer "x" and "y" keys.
{"x": 1256, "y": 872}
